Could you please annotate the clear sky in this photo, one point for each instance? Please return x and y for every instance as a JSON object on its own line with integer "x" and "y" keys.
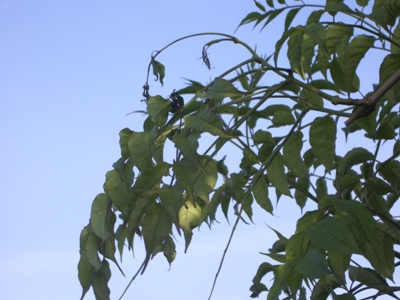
{"x": 70, "y": 71}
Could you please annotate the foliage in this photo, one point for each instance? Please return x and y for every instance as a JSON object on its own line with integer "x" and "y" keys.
{"x": 289, "y": 147}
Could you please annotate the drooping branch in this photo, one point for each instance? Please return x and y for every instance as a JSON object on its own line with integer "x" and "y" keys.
{"x": 369, "y": 104}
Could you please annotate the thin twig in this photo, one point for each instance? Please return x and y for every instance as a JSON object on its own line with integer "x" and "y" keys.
{"x": 133, "y": 278}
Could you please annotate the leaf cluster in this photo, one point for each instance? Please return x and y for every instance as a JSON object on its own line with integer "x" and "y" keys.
{"x": 286, "y": 133}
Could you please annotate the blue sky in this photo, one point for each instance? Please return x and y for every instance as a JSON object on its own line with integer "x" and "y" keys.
{"x": 70, "y": 72}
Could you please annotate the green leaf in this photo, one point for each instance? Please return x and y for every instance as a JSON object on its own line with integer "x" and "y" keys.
{"x": 90, "y": 249}
{"x": 276, "y": 175}
{"x": 151, "y": 177}
{"x": 390, "y": 10}
{"x": 169, "y": 249}
{"x": 281, "y": 41}
{"x": 292, "y": 155}
{"x": 353, "y": 54}
{"x": 117, "y": 190}
{"x": 220, "y": 89}
{"x": 396, "y": 38}
{"x": 335, "y": 6}
{"x": 339, "y": 263}
{"x": 337, "y": 74}
{"x": 309, "y": 218}
{"x": 100, "y": 281}
{"x": 383, "y": 263}
{"x": 362, "y": 2}
{"x": 124, "y": 135}
{"x": 337, "y": 38}
{"x": 355, "y": 215}
{"x": 347, "y": 296}
{"x": 85, "y": 269}
{"x": 333, "y": 235}
{"x": 257, "y": 286}
{"x": 282, "y": 118}
{"x": 354, "y": 157}
{"x": 187, "y": 175}
{"x": 158, "y": 70}
{"x": 85, "y": 274}
{"x": 207, "y": 121}
{"x": 313, "y": 265}
{"x": 322, "y": 189}
{"x": 270, "y": 3}
{"x": 318, "y": 33}
{"x": 311, "y": 98}
{"x": 390, "y": 171}
{"x": 172, "y": 201}
{"x": 281, "y": 279}
{"x": 124, "y": 167}
{"x": 297, "y": 246}
{"x": 259, "y": 5}
{"x": 390, "y": 64}
{"x": 260, "y": 192}
{"x": 188, "y": 146}
{"x": 158, "y": 109}
{"x": 252, "y": 17}
{"x": 156, "y": 226}
{"x": 315, "y": 16}
{"x": 272, "y": 14}
{"x": 189, "y": 218}
{"x": 322, "y": 140}
{"x": 290, "y": 16}
{"x": 324, "y": 287}
{"x": 140, "y": 149}
{"x": 300, "y": 52}
{"x": 367, "y": 276}
{"x": 301, "y": 194}
{"x": 192, "y": 88}
{"x": 100, "y": 216}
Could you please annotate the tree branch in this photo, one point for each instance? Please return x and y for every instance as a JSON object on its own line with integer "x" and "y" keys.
{"x": 369, "y": 104}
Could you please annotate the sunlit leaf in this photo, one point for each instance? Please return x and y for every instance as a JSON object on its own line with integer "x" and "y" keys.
{"x": 189, "y": 218}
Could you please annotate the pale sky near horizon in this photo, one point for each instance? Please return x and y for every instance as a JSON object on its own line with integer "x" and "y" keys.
{"x": 70, "y": 72}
